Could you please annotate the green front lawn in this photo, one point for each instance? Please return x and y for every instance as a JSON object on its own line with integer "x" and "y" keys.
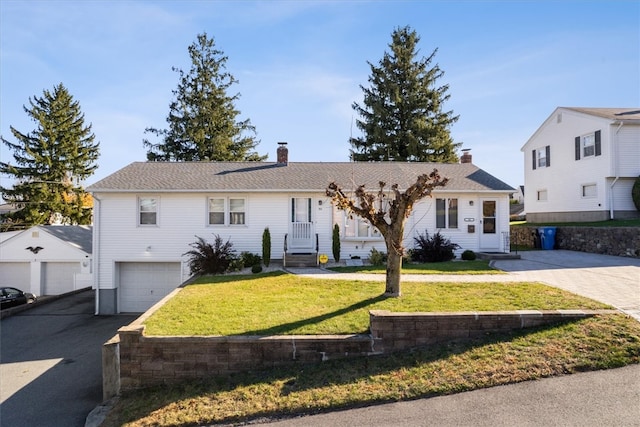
{"x": 284, "y": 304}
{"x": 275, "y": 303}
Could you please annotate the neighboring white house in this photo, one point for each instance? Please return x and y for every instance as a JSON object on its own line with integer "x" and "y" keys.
{"x": 580, "y": 165}
{"x": 47, "y": 260}
{"x": 147, "y": 214}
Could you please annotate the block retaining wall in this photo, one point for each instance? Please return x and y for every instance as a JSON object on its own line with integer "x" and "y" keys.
{"x": 618, "y": 241}
{"x": 133, "y": 360}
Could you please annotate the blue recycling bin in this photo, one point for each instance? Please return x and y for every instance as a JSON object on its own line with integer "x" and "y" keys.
{"x": 547, "y": 237}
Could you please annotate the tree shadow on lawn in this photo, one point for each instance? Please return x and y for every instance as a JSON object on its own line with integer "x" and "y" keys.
{"x": 308, "y": 376}
{"x": 284, "y": 328}
{"x": 210, "y": 279}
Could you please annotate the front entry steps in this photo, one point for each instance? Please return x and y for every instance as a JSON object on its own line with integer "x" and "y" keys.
{"x": 497, "y": 255}
{"x": 300, "y": 259}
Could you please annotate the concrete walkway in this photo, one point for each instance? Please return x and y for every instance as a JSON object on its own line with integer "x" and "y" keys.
{"x": 608, "y": 279}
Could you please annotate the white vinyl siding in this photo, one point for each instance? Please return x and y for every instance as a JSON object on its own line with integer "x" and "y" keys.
{"x": 627, "y": 160}
{"x": 564, "y": 182}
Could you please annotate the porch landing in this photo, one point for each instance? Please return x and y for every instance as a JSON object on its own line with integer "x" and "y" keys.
{"x": 497, "y": 255}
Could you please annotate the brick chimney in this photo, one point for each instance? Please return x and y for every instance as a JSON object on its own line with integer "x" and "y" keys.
{"x": 282, "y": 154}
{"x": 466, "y": 156}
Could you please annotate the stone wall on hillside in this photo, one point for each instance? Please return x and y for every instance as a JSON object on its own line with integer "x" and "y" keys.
{"x": 618, "y": 241}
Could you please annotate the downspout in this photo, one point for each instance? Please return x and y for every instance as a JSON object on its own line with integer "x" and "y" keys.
{"x": 96, "y": 251}
{"x": 615, "y": 166}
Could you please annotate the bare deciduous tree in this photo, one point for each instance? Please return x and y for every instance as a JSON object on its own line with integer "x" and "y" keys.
{"x": 388, "y": 215}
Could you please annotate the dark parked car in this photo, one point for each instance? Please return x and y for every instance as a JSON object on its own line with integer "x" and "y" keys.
{"x": 11, "y": 297}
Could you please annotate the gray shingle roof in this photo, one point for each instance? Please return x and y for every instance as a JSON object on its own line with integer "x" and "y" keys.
{"x": 79, "y": 236}
{"x": 295, "y": 176}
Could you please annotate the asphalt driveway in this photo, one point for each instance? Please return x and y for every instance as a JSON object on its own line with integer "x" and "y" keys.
{"x": 51, "y": 362}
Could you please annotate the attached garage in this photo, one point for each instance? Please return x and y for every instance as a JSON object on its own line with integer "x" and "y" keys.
{"x": 59, "y": 277}
{"x": 16, "y": 274}
{"x": 142, "y": 284}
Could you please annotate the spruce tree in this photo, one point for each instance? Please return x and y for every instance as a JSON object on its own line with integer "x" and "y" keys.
{"x": 402, "y": 118}
{"x": 51, "y": 162}
{"x": 202, "y": 117}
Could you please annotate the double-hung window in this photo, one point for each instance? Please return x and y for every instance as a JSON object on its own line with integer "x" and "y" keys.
{"x": 588, "y": 145}
{"x": 542, "y": 157}
{"x": 227, "y": 211}
{"x": 236, "y": 212}
{"x": 356, "y": 227}
{"x": 589, "y": 191}
{"x": 446, "y": 213}
{"x": 147, "y": 211}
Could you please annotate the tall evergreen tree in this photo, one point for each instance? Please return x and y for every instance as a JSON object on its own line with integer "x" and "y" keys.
{"x": 202, "y": 117}
{"x": 402, "y": 117}
{"x": 51, "y": 162}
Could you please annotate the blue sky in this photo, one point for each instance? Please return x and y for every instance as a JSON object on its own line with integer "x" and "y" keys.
{"x": 300, "y": 65}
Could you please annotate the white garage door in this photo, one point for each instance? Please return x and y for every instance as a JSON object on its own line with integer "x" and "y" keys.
{"x": 142, "y": 284}
{"x": 58, "y": 277}
{"x": 16, "y": 274}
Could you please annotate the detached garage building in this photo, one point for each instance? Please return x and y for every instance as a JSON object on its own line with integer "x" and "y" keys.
{"x": 47, "y": 260}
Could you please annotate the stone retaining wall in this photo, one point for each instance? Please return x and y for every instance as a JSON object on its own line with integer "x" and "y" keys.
{"x": 133, "y": 360}
{"x": 618, "y": 241}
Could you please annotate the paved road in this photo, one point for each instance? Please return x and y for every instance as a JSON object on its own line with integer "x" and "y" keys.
{"x": 593, "y": 399}
{"x": 51, "y": 362}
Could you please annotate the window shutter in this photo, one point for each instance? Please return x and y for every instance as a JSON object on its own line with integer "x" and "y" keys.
{"x": 598, "y": 145}
{"x": 577, "y": 148}
{"x": 534, "y": 159}
{"x": 547, "y": 150}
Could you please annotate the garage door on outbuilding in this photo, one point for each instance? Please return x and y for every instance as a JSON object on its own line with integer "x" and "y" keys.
{"x": 59, "y": 277}
{"x": 16, "y": 274}
{"x": 142, "y": 284}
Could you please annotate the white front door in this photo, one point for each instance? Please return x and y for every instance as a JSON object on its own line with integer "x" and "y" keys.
{"x": 301, "y": 231}
{"x": 489, "y": 236}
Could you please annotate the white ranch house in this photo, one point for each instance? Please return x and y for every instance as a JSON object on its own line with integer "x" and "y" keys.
{"x": 580, "y": 165}
{"x": 147, "y": 214}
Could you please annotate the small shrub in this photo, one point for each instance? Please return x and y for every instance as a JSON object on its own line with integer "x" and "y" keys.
{"x": 257, "y": 268}
{"x": 433, "y": 249}
{"x": 468, "y": 255}
{"x": 635, "y": 193}
{"x": 249, "y": 259}
{"x": 236, "y": 265}
{"x": 376, "y": 257}
{"x": 335, "y": 243}
{"x": 266, "y": 246}
{"x": 207, "y": 258}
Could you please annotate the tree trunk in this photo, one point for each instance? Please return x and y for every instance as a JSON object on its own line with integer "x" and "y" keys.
{"x": 394, "y": 266}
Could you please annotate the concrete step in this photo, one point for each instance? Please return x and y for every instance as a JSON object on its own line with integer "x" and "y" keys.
{"x": 306, "y": 259}
{"x": 497, "y": 255}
